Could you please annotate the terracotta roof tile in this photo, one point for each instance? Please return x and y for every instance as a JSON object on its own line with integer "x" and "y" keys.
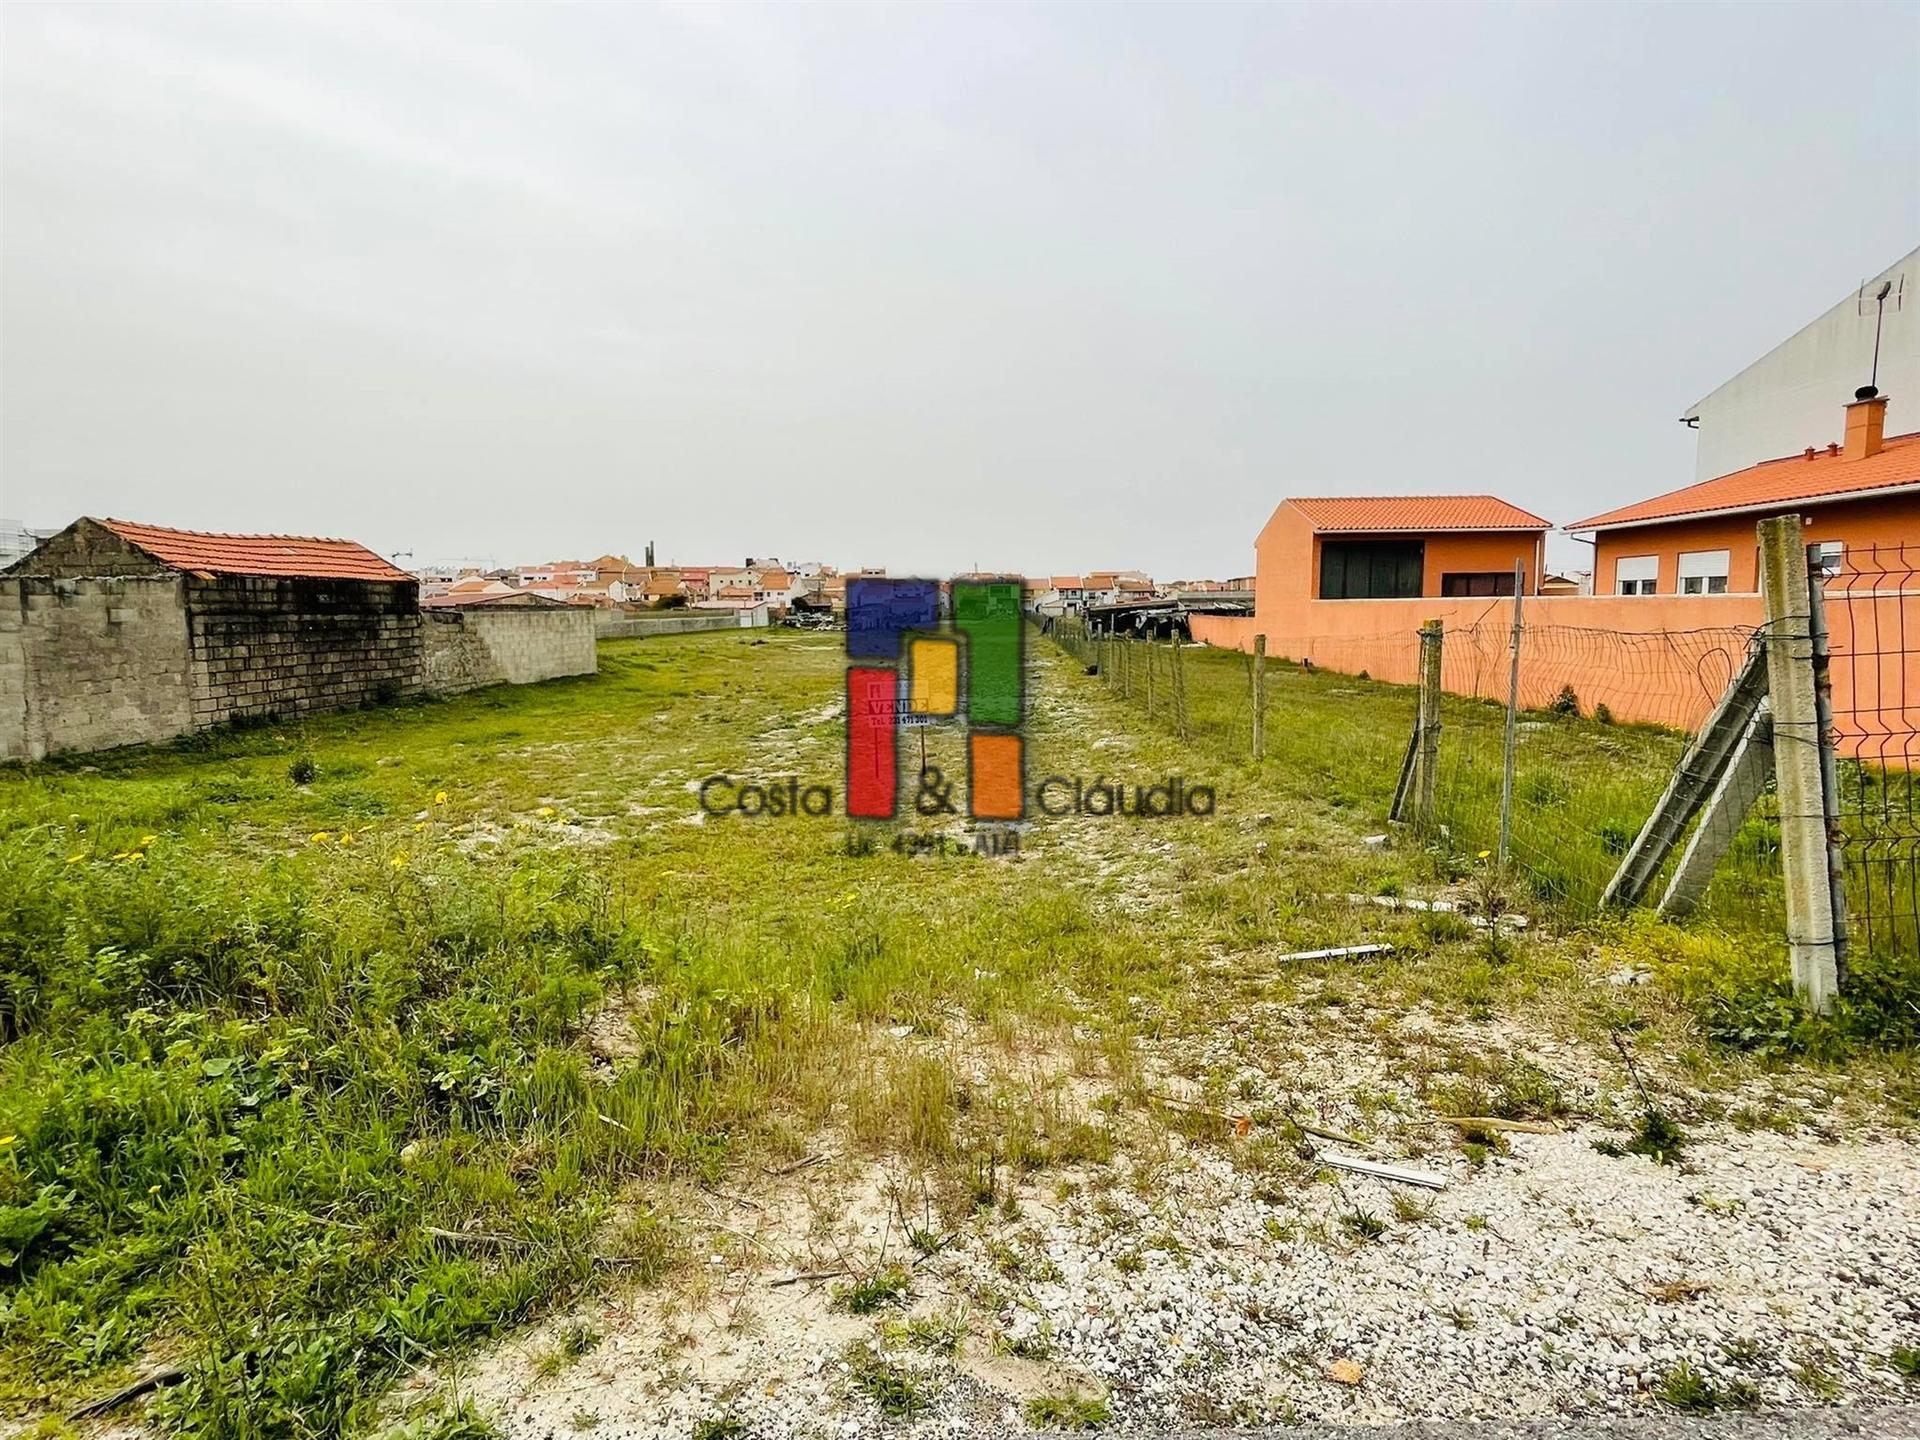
{"x": 1793, "y": 480}
{"x": 289, "y": 556}
{"x": 1415, "y": 514}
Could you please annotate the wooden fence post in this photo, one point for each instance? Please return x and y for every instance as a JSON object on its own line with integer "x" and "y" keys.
{"x": 1259, "y": 697}
{"x": 1427, "y": 758}
{"x": 1796, "y": 761}
{"x": 1177, "y": 660}
{"x": 1513, "y": 719}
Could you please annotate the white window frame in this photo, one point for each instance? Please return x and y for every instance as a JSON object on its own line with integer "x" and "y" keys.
{"x": 1830, "y": 556}
{"x": 1636, "y": 574}
{"x": 1705, "y": 572}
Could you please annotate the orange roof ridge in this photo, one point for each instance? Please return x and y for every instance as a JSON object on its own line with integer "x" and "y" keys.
{"x": 118, "y": 525}
{"x": 1784, "y": 480}
{"x": 283, "y": 556}
{"x": 1411, "y": 513}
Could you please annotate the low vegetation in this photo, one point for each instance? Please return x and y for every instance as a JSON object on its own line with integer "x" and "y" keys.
{"x": 329, "y": 1048}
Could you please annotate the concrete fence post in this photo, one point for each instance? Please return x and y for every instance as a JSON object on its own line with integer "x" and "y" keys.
{"x": 1829, "y": 762}
{"x": 1259, "y": 697}
{"x": 1797, "y": 741}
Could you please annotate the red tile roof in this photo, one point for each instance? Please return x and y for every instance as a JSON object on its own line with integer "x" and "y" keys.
{"x": 1795, "y": 480}
{"x": 292, "y": 556}
{"x": 1415, "y": 514}
{"x": 516, "y": 600}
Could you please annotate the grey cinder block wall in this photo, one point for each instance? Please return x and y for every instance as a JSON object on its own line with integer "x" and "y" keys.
{"x": 100, "y": 646}
{"x": 492, "y": 645}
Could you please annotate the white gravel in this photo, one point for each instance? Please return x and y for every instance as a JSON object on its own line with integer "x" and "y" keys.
{"x": 1552, "y": 1280}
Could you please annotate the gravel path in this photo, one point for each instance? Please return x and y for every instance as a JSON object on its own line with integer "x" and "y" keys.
{"x": 1891, "y": 1422}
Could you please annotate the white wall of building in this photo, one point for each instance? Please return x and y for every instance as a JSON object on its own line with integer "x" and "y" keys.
{"x": 1791, "y": 397}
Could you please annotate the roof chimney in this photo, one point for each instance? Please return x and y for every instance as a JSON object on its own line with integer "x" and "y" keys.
{"x": 1866, "y": 423}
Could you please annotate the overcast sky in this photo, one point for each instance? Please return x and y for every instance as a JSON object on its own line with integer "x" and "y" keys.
{"x": 1023, "y": 288}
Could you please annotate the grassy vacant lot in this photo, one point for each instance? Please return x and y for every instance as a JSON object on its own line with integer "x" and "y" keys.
{"x": 306, "y": 1070}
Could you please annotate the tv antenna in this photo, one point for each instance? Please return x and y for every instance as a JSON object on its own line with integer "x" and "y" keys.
{"x": 1879, "y": 318}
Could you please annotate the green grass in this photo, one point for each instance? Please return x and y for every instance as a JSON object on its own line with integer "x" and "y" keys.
{"x": 1583, "y": 789}
{"x": 876, "y": 1292}
{"x": 261, "y": 1035}
{"x": 1686, "y": 1389}
{"x": 300, "y": 1083}
{"x": 898, "y": 1392}
{"x": 1068, "y": 1411}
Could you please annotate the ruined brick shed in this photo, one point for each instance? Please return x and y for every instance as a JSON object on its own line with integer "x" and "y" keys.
{"x": 113, "y": 633}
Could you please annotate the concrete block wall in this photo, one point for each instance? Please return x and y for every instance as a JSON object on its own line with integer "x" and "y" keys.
{"x": 531, "y": 645}
{"x": 453, "y": 656}
{"x": 264, "y": 646}
{"x": 668, "y": 622}
{"x": 87, "y": 663}
{"x": 91, "y": 662}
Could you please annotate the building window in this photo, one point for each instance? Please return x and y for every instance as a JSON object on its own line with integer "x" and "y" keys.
{"x": 1371, "y": 569}
{"x": 1636, "y": 574}
{"x": 1463, "y": 585}
{"x": 1704, "y": 572}
{"x": 1829, "y": 557}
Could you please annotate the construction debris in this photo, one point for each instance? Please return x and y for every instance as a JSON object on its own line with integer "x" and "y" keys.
{"x": 1494, "y": 1122}
{"x": 1400, "y": 1173}
{"x": 1339, "y": 952}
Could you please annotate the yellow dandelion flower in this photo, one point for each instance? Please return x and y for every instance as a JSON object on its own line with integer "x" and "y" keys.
{"x": 146, "y": 840}
{"x": 6, "y": 1140}
{"x": 419, "y": 824}
{"x": 319, "y": 837}
{"x": 121, "y": 854}
{"x": 153, "y": 1189}
{"x": 439, "y": 797}
{"x": 346, "y": 837}
{"x": 76, "y": 857}
{"x": 399, "y": 862}
{"x": 544, "y": 810}
{"x": 1484, "y": 854}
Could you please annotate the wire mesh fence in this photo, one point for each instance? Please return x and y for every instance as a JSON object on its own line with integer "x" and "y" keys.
{"x": 1587, "y": 772}
{"x": 1590, "y": 765}
{"x": 1873, "y": 616}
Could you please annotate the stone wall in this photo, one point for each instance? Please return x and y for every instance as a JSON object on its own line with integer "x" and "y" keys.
{"x": 489, "y": 645}
{"x": 87, "y": 663}
{"x": 101, "y": 647}
{"x": 262, "y": 646}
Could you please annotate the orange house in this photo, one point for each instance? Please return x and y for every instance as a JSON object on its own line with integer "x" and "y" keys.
{"x": 1859, "y": 492}
{"x": 1396, "y": 547}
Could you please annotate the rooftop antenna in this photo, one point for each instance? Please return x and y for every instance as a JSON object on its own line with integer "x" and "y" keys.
{"x": 1872, "y": 387}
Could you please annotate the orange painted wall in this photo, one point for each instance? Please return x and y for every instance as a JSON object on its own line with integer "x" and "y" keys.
{"x": 1886, "y": 520}
{"x": 1662, "y": 658}
{"x": 1599, "y": 647}
{"x": 1287, "y": 557}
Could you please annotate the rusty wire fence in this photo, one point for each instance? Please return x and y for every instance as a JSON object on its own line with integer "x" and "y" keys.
{"x": 1586, "y": 771}
{"x": 1570, "y": 754}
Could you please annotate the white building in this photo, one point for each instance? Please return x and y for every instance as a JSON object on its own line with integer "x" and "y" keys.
{"x": 1786, "y": 400}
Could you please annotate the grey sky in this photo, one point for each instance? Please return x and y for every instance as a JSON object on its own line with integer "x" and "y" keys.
{"x": 1038, "y": 289}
